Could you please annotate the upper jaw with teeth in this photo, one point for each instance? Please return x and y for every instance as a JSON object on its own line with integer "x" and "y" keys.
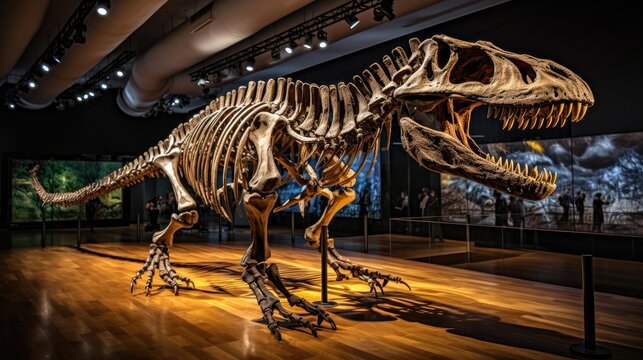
{"x": 549, "y": 115}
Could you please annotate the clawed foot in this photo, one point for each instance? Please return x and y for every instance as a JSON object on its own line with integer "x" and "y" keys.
{"x": 159, "y": 258}
{"x": 371, "y": 277}
{"x": 312, "y": 309}
{"x": 269, "y": 303}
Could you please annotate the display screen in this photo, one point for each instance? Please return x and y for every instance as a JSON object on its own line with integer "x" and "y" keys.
{"x": 365, "y": 188}
{"x": 61, "y": 176}
{"x": 608, "y": 164}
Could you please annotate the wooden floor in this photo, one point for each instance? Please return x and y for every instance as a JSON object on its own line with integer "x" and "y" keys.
{"x": 62, "y": 303}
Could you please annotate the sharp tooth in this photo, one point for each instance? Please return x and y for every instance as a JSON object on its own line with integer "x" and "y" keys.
{"x": 518, "y": 168}
{"x": 534, "y": 172}
{"x": 505, "y": 121}
{"x": 524, "y": 124}
{"x": 506, "y": 164}
{"x": 583, "y": 111}
{"x": 549, "y": 120}
{"x": 562, "y": 123}
{"x": 489, "y": 111}
{"x": 561, "y": 108}
{"x": 576, "y": 112}
{"x": 552, "y": 107}
{"x": 534, "y": 120}
{"x": 493, "y": 159}
{"x": 511, "y": 165}
{"x": 536, "y": 112}
{"x": 511, "y": 123}
{"x": 499, "y": 162}
{"x": 540, "y": 122}
{"x": 503, "y": 112}
{"x": 545, "y": 175}
{"x": 568, "y": 110}
{"x": 526, "y": 170}
{"x": 496, "y": 111}
{"x": 555, "y": 177}
{"x": 488, "y": 157}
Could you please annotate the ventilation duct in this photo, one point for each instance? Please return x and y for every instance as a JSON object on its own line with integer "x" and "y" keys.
{"x": 103, "y": 35}
{"x": 212, "y": 29}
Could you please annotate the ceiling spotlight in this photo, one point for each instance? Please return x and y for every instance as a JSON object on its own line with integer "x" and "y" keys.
{"x": 86, "y": 96}
{"x": 12, "y": 106}
{"x": 58, "y": 55}
{"x": 323, "y": 39}
{"x": 103, "y": 86}
{"x": 291, "y": 47}
{"x": 45, "y": 67}
{"x": 250, "y": 64}
{"x": 103, "y": 7}
{"x": 79, "y": 35}
{"x": 275, "y": 53}
{"x": 91, "y": 93}
{"x": 308, "y": 42}
{"x": 79, "y": 98}
{"x": 32, "y": 84}
{"x": 120, "y": 73}
{"x": 203, "y": 82}
{"x": 176, "y": 101}
{"x": 351, "y": 20}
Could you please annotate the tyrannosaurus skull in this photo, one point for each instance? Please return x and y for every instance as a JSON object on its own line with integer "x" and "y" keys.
{"x": 447, "y": 78}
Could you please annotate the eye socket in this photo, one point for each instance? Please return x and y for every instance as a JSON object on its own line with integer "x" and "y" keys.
{"x": 444, "y": 53}
{"x": 473, "y": 65}
{"x": 526, "y": 71}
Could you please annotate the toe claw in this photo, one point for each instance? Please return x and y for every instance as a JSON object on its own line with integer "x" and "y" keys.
{"x": 407, "y": 285}
{"x": 276, "y": 333}
{"x": 384, "y": 282}
{"x": 147, "y": 291}
{"x": 176, "y": 289}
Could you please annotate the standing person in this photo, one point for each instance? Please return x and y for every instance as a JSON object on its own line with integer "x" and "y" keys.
{"x": 580, "y": 205}
{"x": 565, "y": 200}
{"x": 433, "y": 203}
{"x": 501, "y": 209}
{"x": 91, "y": 208}
{"x": 517, "y": 211}
{"x": 423, "y": 197}
{"x": 404, "y": 203}
{"x": 598, "y": 218}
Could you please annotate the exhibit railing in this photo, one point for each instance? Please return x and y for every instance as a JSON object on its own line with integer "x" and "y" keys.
{"x": 454, "y": 238}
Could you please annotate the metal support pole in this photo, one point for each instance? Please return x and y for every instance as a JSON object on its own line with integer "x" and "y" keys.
{"x": 366, "y": 234}
{"x": 42, "y": 235}
{"x": 138, "y": 227}
{"x": 292, "y": 228}
{"x": 78, "y": 234}
{"x": 589, "y": 347}
{"x": 324, "y": 269}
{"x": 220, "y": 230}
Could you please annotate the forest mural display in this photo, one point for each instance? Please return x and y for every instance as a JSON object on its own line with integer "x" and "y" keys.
{"x": 61, "y": 176}
{"x": 608, "y": 164}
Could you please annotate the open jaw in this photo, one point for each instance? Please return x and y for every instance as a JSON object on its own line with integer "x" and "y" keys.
{"x": 439, "y": 140}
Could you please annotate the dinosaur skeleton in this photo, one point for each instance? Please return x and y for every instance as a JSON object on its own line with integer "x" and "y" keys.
{"x": 269, "y": 133}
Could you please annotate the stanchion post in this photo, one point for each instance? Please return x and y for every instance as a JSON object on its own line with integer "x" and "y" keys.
{"x": 292, "y": 228}
{"x": 220, "y": 230}
{"x": 324, "y": 269}
{"x": 589, "y": 348}
{"x": 365, "y": 234}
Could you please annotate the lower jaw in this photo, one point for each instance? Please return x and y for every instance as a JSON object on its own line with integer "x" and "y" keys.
{"x": 442, "y": 153}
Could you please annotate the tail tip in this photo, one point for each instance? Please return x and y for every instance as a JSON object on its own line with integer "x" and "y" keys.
{"x": 34, "y": 170}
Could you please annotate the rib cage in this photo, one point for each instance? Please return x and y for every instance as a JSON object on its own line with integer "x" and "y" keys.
{"x": 337, "y": 126}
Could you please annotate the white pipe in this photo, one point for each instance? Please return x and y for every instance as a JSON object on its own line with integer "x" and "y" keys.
{"x": 103, "y": 35}
{"x": 227, "y": 22}
{"x": 21, "y": 19}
